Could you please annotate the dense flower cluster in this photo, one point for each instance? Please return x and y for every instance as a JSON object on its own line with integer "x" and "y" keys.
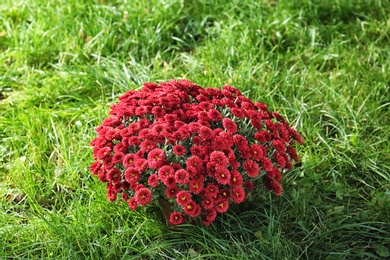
{"x": 201, "y": 148}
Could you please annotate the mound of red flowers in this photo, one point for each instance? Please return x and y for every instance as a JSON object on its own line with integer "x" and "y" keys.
{"x": 200, "y": 148}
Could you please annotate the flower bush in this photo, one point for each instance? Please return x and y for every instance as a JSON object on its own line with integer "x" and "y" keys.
{"x": 200, "y": 148}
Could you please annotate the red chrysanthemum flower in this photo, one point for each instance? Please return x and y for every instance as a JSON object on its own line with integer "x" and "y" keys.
{"x": 120, "y": 148}
{"x": 141, "y": 111}
{"x": 144, "y": 122}
{"x": 193, "y": 127}
{"x": 171, "y": 191}
{"x": 279, "y": 159}
{"x": 194, "y": 161}
{"x": 236, "y": 178}
{"x": 143, "y": 196}
{"x": 134, "y": 128}
{"x": 176, "y": 218}
{"x": 179, "y": 150}
{"x": 102, "y": 176}
{"x": 125, "y": 132}
{"x": 134, "y": 140}
{"x": 211, "y": 190}
{"x": 179, "y": 125}
{"x": 207, "y": 203}
{"x": 181, "y": 134}
{"x": 114, "y": 175}
{"x": 271, "y": 174}
{"x": 262, "y": 136}
{"x": 237, "y": 194}
{"x": 103, "y": 153}
{"x": 234, "y": 164}
{"x": 147, "y": 145}
{"x": 198, "y": 150}
{"x": 277, "y": 174}
{"x": 169, "y": 181}
{"x": 196, "y": 186}
{"x": 279, "y": 146}
{"x": 193, "y": 172}
{"x": 132, "y": 175}
{"x": 251, "y": 168}
{"x": 206, "y": 133}
{"x": 257, "y": 152}
{"x": 95, "y": 167}
{"x": 211, "y": 168}
{"x": 136, "y": 187}
{"x": 118, "y": 158}
{"x": 222, "y": 176}
{"x": 296, "y": 136}
{"x": 176, "y": 166}
{"x": 209, "y": 217}
{"x": 153, "y": 180}
{"x": 219, "y": 143}
{"x": 156, "y": 158}
{"x": 125, "y": 197}
{"x": 276, "y": 187}
{"x": 202, "y": 117}
{"x": 267, "y": 164}
{"x": 182, "y": 176}
{"x": 158, "y": 111}
{"x": 271, "y": 126}
{"x": 111, "y": 192}
{"x": 133, "y": 204}
{"x": 221, "y": 205}
{"x": 206, "y": 105}
{"x": 223, "y": 194}
{"x": 227, "y": 137}
{"x": 229, "y": 125}
{"x": 231, "y": 90}
{"x": 238, "y": 112}
{"x": 141, "y": 164}
{"x": 197, "y": 140}
{"x": 183, "y": 197}
{"x": 97, "y": 143}
{"x": 165, "y": 171}
{"x": 249, "y": 185}
{"x": 158, "y": 129}
{"x": 291, "y": 151}
{"x": 219, "y": 159}
{"x": 191, "y": 209}
{"x": 214, "y": 115}
{"x": 198, "y": 145}
{"x": 145, "y": 134}
{"x": 240, "y": 141}
{"x": 256, "y": 121}
{"x": 129, "y": 159}
{"x": 108, "y": 163}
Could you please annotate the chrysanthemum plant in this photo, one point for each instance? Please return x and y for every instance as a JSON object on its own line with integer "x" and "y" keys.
{"x": 202, "y": 149}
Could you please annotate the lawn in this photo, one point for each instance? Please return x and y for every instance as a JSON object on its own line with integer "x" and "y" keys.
{"x": 324, "y": 65}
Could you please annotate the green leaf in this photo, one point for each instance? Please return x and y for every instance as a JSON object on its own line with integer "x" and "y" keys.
{"x": 382, "y": 251}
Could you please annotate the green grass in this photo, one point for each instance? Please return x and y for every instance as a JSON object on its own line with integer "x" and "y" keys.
{"x": 323, "y": 64}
